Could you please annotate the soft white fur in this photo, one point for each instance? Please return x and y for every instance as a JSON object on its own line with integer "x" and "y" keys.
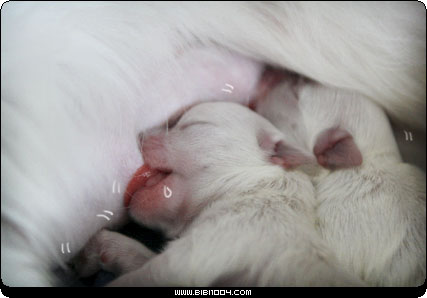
{"x": 247, "y": 222}
{"x": 373, "y": 215}
{"x": 80, "y": 80}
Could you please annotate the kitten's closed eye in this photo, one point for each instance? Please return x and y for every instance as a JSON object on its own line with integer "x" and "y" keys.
{"x": 174, "y": 119}
{"x": 171, "y": 122}
{"x": 195, "y": 123}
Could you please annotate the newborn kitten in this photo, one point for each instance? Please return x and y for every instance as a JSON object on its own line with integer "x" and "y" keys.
{"x": 80, "y": 80}
{"x": 238, "y": 217}
{"x": 371, "y": 206}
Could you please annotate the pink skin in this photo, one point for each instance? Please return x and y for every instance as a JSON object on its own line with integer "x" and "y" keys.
{"x": 335, "y": 148}
{"x": 162, "y": 196}
{"x": 156, "y": 201}
{"x": 154, "y": 152}
{"x": 289, "y": 157}
{"x": 271, "y": 78}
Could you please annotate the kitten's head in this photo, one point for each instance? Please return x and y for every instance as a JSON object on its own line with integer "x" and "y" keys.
{"x": 212, "y": 149}
{"x": 335, "y": 125}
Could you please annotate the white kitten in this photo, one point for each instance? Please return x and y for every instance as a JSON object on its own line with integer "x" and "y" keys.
{"x": 239, "y": 218}
{"x": 372, "y": 207}
{"x": 80, "y": 80}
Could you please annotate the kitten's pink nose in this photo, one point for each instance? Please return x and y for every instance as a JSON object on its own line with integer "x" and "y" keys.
{"x": 155, "y": 153}
{"x": 151, "y": 144}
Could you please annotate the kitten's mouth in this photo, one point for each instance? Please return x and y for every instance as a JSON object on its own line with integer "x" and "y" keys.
{"x": 145, "y": 176}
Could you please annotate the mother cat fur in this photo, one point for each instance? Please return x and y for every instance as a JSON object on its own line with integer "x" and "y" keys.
{"x": 80, "y": 81}
{"x": 371, "y": 207}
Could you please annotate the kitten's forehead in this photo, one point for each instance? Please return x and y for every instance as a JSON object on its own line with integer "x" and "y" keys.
{"x": 236, "y": 121}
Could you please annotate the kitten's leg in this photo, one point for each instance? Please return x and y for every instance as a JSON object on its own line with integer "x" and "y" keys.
{"x": 159, "y": 271}
{"x": 112, "y": 252}
{"x": 175, "y": 267}
{"x": 180, "y": 264}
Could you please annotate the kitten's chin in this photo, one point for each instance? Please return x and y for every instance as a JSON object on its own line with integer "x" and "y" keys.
{"x": 171, "y": 228}
{"x": 162, "y": 202}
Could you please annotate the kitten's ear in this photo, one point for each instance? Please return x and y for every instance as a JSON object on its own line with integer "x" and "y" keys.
{"x": 336, "y": 149}
{"x": 283, "y": 154}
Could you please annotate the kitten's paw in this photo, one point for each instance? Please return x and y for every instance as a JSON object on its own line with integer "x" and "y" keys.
{"x": 112, "y": 252}
{"x": 90, "y": 259}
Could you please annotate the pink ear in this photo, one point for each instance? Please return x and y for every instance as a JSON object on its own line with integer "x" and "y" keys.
{"x": 282, "y": 154}
{"x": 289, "y": 157}
{"x": 336, "y": 149}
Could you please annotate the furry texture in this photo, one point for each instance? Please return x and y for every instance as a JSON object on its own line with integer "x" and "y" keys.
{"x": 372, "y": 215}
{"x": 80, "y": 80}
{"x": 72, "y": 108}
{"x": 248, "y": 221}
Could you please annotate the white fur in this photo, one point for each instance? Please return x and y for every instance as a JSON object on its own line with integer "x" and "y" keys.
{"x": 112, "y": 252}
{"x": 246, "y": 221}
{"x": 80, "y": 80}
{"x": 71, "y": 112}
{"x": 374, "y": 215}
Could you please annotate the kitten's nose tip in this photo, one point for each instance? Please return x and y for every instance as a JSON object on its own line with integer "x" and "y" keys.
{"x": 153, "y": 138}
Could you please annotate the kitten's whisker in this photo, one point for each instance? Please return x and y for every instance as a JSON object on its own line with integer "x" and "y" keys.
{"x": 141, "y": 137}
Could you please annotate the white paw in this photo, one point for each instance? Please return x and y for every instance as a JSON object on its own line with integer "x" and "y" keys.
{"x": 89, "y": 260}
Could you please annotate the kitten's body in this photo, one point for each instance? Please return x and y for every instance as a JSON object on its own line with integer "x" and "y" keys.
{"x": 80, "y": 80}
{"x": 373, "y": 213}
